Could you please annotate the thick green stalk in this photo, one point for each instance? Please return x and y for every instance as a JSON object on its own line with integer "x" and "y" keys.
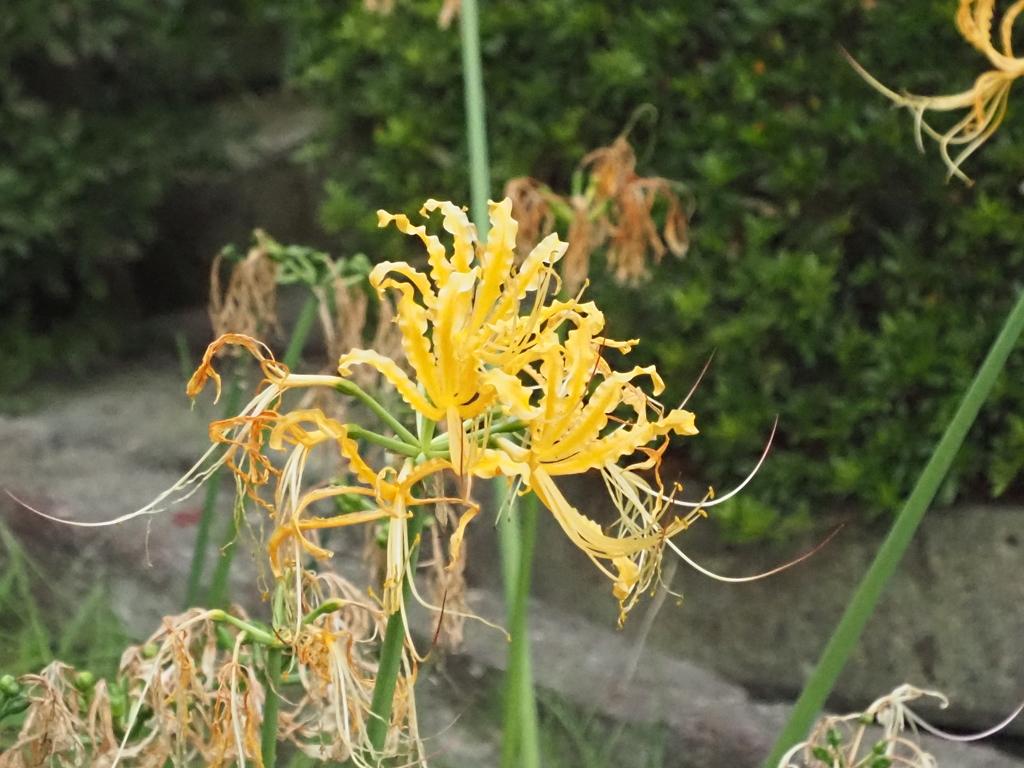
{"x": 391, "y": 649}
{"x": 521, "y": 713}
{"x": 861, "y": 606}
{"x": 193, "y": 589}
{"x": 271, "y": 702}
{"x": 520, "y": 746}
{"x": 476, "y": 116}
{"x": 218, "y": 595}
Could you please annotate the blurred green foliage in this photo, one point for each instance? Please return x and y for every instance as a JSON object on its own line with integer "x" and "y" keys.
{"x": 841, "y": 283}
{"x": 103, "y": 103}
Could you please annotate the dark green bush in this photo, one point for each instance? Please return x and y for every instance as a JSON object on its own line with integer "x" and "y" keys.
{"x": 841, "y": 282}
{"x": 102, "y": 104}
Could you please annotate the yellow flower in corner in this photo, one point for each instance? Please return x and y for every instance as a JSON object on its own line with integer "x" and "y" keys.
{"x": 985, "y": 100}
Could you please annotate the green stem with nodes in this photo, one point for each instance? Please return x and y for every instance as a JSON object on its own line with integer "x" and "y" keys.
{"x": 195, "y": 575}
{"x": 218, "y": 595}
{"x": 391, "y": 649}
{"x": 347, "y": 387}
{"x": 863, "y": 603}
{"x": 520, "y": 747}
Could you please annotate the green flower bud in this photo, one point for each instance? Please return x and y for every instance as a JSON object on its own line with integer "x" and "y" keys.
{"x": 150, "y": 650}
{"x": 85, "y": 680}
{"x": 9, "y": 686}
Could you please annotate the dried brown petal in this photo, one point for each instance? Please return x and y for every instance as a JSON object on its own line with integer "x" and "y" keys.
{"x": 449, "y": 11}
{"x": 583, "y": 236}
{"x": 249, "y": 305}
{"x": 383, "y": 7}
{"x": 613, "y": 167}
{"x": 532, "y": 211}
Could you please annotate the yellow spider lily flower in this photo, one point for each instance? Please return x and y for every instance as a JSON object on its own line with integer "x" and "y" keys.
{"x": 985, "y": 100}
{"x": 448, "y": 319}
{"x": 566, "y": 433}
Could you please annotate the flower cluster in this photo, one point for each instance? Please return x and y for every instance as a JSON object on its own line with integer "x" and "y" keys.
{"x": 506, "y": 380}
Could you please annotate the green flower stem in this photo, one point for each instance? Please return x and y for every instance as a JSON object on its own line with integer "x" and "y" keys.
{"x": 441, "y": 441}
{"x": 476, "y": 116}
{"x": 861, "y": 606}
{"x": 426, "y": 431}
{"x": 391, "y": 649}
{"x": 303, "y": 325}
{"x": 396, "y": 446}
{"x": 193, "y": 589}
{"x": 347, "y": 387}
{"x": 256, "y": 633}
{"x": 520, "y": 746}
{"x": 328, "y": 606}
{"x": 218, "y": 595}
{"x": 271, "y": 702}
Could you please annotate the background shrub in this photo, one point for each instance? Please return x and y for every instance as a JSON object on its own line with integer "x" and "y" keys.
{"x": 102, "y": 104}
{"x": 840, "y": 282}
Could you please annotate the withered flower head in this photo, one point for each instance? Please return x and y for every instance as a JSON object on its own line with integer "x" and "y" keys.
{"x": 616, "y": 211}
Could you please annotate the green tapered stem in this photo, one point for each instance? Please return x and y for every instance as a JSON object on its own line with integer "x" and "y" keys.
{"x": 391, "y": 649}
{"x": 863, "y": 603}
{"x": 271, "y": 702}
{"x": 520, "y": 746}
{"x": 193, "y": 589}
{"x": 476, "y": 116}
{"x": 516, "y": 546}
{"x": 218, "y": 595}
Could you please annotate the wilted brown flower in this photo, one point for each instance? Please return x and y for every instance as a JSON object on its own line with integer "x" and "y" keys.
{"x": 249, "y": 305}
{"x": 633, "y": 232}
{"x": 614, "y": 211}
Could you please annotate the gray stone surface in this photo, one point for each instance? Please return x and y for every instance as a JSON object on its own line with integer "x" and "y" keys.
{"x": 950, "y": 620}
